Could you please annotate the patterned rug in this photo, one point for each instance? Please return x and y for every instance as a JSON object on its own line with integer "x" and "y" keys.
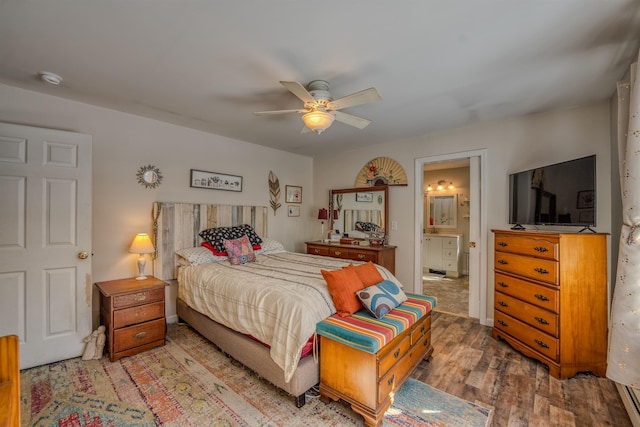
{"x": 188, "y": 382}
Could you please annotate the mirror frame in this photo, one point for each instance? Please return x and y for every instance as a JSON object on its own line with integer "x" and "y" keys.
{"x": 454, "y": 202}
{"x": 143, "y": 176}
{"x": 383, "y": 188}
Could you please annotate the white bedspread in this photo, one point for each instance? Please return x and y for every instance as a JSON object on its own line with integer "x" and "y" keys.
{"x": 278, "y": 299}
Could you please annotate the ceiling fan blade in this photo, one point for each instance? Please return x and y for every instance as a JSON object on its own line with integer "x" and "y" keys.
{"x": 274, "y": 112}
{"x": 363, "y": 97}
{"x": 298, "y": 90}
{"x": 351, "y": 120}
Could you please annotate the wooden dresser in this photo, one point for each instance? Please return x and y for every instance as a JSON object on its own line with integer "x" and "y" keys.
{"x": 381, "y": 255}
{"x": 551, "y": 298}
{"x": 133, "y": 313}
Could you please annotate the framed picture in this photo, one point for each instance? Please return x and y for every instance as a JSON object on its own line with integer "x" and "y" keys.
{"x": 586, "y": 199}
{"x": 215, "y": 181}
{"x": 364, "y": 197}
{"x": 294, "y": 194}
{"x": 294, "y": 210}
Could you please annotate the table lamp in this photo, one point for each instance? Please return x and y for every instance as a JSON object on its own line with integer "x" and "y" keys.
{"x": 323, "y": 215}
{"x": 141, "y": 245}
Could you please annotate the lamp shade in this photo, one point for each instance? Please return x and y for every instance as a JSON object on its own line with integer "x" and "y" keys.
{"x": 318, "y": 121}
{"x": 323, "y": 214}
{"x": 142, "y": 245}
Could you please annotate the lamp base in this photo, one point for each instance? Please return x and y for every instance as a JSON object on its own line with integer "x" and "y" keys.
{"x": 141, "y": 263}
{"x": 141, "y": 278}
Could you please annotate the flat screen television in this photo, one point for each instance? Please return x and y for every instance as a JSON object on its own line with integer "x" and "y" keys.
{"x": 558, "y": 194}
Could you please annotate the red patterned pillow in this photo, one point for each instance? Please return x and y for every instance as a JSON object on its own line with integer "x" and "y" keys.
{"x": 239, "y": 251}
{"x": 216, "y": 237}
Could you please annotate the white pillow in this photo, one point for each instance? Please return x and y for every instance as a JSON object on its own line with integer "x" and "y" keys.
{"x": 270, "y": 246}
{"x": 197, "y": 255}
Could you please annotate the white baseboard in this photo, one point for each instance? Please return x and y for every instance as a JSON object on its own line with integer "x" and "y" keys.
{"x": 631, "y": 398}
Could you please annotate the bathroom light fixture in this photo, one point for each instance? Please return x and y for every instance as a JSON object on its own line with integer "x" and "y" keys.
{"x": 50, "y": 78}
{"x": 318, "y": 121}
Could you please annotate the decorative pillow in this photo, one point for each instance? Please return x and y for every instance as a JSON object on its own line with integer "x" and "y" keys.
{"x": 343, "y": 285}
{"x": 240, "y": 251}
{"x": 368, "y": 273}
{"x": 197, "y": 255}
{"x": 217, "y": 236}
{"x": 270, "y": 246}
{"x": 381, "y": 298}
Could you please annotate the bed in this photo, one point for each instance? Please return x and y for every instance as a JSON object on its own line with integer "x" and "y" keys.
{"x": 261, "y": 313}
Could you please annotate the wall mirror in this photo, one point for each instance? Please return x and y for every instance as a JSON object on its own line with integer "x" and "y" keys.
{"x": 443, "y": 211}
{"x": 366, "y": 204}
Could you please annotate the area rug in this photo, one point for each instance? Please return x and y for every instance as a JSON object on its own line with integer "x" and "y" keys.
{"x": 188, "y": 382}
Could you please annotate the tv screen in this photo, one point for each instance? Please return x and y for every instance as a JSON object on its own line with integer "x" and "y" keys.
{"x": 559, "y": 194}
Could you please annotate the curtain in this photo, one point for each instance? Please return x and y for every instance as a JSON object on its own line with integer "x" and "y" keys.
{"x": 624, "y": 332}
{"x": 351, "y": 216}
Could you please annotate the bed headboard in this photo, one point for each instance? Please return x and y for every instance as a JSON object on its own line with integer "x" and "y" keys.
{"x": 177, "y": 225}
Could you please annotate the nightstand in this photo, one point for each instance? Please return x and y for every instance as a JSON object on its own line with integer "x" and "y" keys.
{"x": 132, "y": 312}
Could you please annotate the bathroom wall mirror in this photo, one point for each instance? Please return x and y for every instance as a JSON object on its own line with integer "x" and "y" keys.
{"x": 366, "y": 204}
{"x": 442, "y": 211}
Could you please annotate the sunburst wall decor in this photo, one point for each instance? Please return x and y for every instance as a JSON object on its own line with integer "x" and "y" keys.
{"x": 381, "y": 171}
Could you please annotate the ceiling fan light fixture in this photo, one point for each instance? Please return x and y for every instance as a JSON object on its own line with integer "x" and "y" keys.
{"x": 318, "y": 121}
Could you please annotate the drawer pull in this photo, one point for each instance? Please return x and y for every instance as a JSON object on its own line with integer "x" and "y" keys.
{"x": 541, "y": 297}
{"x": 504, "y": 285}
{"x": 422, "y": 330}
{"x": 541, "y": 344}
{"x": 141, "y": 297}
{"x": 361, "y": 256}
{"x": 541, "y": 270}
{"x": 396, "y": 353}
{"x": 425, "y": 342}
{"x": 503, "y": 244}
{"x": 390, "y": 380}
{"x": 541, "y": 321}
{"x": 503, "y": 304}
{"x": 316, "y": 251}
{"x": 140, "y": 335}
{"x": 540, "y": 249}
{"x": 503, "y": 262}
{"x": 338, "y": 253}
{"x": 503, "y": 323}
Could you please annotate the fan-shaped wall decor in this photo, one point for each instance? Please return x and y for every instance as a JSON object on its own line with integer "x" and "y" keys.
{"x": 381, "y": 171}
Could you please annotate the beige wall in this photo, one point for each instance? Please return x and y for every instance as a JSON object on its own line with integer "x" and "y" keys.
{"x": 123, "y": 142}
{"x": 512, "y": 145}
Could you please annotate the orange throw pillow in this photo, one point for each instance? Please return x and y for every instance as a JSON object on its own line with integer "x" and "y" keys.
{"x": 343, "y": 285}
{"x": 368, "y": 273}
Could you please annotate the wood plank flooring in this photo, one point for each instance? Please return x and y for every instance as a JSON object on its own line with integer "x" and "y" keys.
{"x": 468, "y": 363}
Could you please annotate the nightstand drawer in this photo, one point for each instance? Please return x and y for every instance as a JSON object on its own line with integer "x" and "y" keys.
{"x": 138, "y": 314}
{"x": 141, "y": 297}
{"x": 138, "y": 335}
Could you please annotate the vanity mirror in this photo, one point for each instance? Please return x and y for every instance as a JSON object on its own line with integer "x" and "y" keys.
{"x": 442, "y": 211}
{"x": 365, "y": 205}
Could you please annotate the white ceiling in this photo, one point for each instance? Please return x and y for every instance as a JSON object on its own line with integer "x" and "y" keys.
{"x": 209, "y": 64}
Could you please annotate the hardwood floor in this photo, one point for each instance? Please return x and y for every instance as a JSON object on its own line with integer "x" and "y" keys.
{"x": 452, "y": 293}
{"x": 468, "y": 363}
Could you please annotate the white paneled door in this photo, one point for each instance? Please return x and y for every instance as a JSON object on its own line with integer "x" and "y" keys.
{"x": 45, "y": 241}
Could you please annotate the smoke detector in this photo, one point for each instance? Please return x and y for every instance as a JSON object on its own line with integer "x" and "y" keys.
{"x": 50, "y": 78}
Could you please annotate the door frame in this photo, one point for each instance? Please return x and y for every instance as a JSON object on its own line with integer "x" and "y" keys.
{"x": 478, "y": 269}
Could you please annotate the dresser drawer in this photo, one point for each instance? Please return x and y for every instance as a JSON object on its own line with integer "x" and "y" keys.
{"x": 450, "y": 254}
{"x": 318, "y": 250}
{"x": 421, "y": 328}
{"x": 540, "y": 295}
{"x": 540, "y": 248}
{"x": 360, "y": 255}
{"x": 147, "y": 296}
{"x": 534, "y": 268}
{"x": 392, "y": 355}
{"x": 531, "y": 337}
{"x": 530, "y": 314}
{"x": 390, "y": 381}
{"x": 339, "y": 253}
{"x": 134, "y": 336}
{"x": 137, "y": 314}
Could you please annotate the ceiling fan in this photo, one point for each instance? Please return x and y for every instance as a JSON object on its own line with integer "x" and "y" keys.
{"x": 320, "y": 109}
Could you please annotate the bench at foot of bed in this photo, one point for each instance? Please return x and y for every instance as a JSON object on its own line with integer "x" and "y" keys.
{"x": 364, "y": 360}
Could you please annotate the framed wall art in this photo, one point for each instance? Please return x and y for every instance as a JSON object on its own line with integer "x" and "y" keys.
{"x": 364, "y": 197}
{"x": 215, "y": 181}
{"x": 294, "y": 210}
{"x": 293, "y": 194}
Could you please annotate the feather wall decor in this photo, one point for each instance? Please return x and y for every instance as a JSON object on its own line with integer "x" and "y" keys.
{"x": 274, "y": 192}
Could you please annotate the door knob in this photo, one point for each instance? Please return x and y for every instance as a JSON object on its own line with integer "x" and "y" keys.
{"x": 83, "y": 254}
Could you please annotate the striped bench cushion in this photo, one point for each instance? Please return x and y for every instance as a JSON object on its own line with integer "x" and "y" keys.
{"x": 364, "y": 332}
